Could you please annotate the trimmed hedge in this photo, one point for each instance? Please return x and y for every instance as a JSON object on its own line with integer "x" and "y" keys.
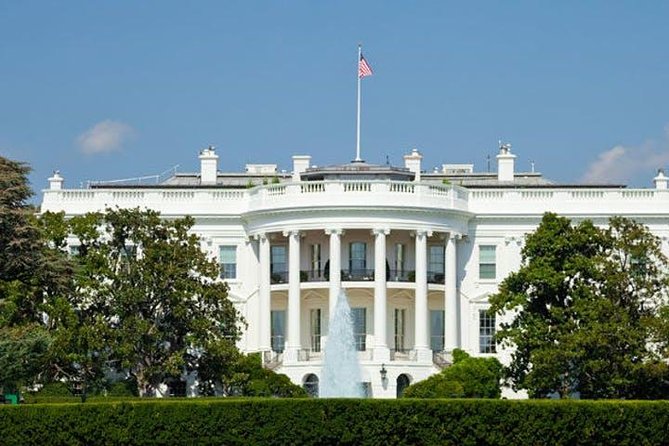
{"x": 338, "y": 421}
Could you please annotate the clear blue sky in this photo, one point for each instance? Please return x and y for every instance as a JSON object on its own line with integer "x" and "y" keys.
{"x": 105, "y": 90}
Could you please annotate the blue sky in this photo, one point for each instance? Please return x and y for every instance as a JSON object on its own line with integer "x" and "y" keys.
{"x": 104, "y": 90}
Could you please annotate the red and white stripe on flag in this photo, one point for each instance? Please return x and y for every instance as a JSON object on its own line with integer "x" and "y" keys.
{"x": 363, "y": 68}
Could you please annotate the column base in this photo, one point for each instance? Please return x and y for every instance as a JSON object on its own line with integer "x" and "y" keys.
{"x": 424, "y": 355}
{"x": 381, "y": 354}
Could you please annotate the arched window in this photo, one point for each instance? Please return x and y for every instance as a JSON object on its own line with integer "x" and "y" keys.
{"x": 403, "y": 382}
{"x": 311, "y": 385}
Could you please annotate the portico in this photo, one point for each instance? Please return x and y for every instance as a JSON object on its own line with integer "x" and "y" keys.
{"x": 302, "y": 292}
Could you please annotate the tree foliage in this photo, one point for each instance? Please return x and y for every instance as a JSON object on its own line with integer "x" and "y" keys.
{"x": 146, "y": 298}
{"x": 467, "y": 377}
{"x": 583, "y": 307}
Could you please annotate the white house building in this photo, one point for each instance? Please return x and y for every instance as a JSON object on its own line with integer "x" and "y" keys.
{"x": 418, "y": 253}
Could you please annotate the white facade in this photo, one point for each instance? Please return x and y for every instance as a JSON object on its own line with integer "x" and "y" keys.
{"x": 418, "y": 254}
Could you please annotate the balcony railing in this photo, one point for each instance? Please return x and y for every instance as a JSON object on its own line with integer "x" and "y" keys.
{"x": 279, "y": 277}
{"x": 313, "y": 276}
{"x": 435, "y": 277}
{"x": 357, "y": 275}
{"x": 401, "y": 276}
{"x": 403, "y": 355}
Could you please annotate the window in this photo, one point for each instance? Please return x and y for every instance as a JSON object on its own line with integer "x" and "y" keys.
{"x": 227, "y": 259}
{"x": 357, "y": 259}
{"x": 435, "y": 264}
{"x": 487, "y": 262}
{"x": 400, "y": 328}
{"x": 400, "y": 260}
{"x": 435, "y": 259}
{"x": 311, "y": 385}
{"x": 316, "y": 258}
{"x": 315, "y": 329}
{"x": 278, "y": 260}
{"x": 278, "y": 265}
{"x": 74, "y": 250}
{"x": 278, "y": 330}
{"x": 486, "y": 332}
{"x": 359, "y": 316}
{"x": 437, "y": 330}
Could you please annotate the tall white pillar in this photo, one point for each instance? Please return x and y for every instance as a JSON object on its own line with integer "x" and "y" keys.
{"x": 381, "y": 351}
{"x": 422, "y": 323}
{"x": 293, "y": 341}
{"x": 335, "y": 267}
{"x": 264, "y": 299}
{"x": 450, "y": 295}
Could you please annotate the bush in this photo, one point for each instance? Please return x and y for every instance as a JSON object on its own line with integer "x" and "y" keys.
{"x": 338, "y": 421}
{"x": 468, "y": 377}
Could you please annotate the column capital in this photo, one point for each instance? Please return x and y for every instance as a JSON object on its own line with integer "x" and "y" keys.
{"x": 454, "y": 235}
{"x": 336, "y": 231}
{"x": 291, "y": 233}
{"x": 260, "y": 236}
{"x": 379, "y": 231}
{"x": 422, "y": 233}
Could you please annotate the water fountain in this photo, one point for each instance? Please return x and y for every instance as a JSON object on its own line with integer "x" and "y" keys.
{"x": 341, "y": 368}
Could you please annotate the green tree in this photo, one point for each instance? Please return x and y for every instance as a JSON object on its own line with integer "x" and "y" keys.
{"x": 23, "y": 355}
{"x": 467, "y": 377}
{"x": 244, "y": 375}
{"x": 147, "y": 297}
{"x": 583, "y": 305}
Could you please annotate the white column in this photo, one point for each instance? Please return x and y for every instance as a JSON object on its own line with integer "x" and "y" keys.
{"x": 264, "y": 294}
{"x": 381, "y": 351}
{"x": 335, "y": 267}
{"x": 293, "y": 341}
{"x": 422, "y": 323}
{"x": 450, "y": 295}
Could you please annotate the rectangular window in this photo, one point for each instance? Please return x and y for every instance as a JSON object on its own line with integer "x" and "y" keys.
{"x": 316, "y": 258}
{"x": 278, "y": 266}
{"x": 486, "y": 332}
{"x": 400, "y": 329}
{"x": 74, "y": 250}
{"x": 435, "y": 260}
{"x": 227, "y": 259}
{"x": 487, "y": 262}
{"x": 315, "y": 329}
{"x": 278, "y": 330}
{"x": 357, "y": 259}
{"x": 359, "y": 316}
{"x": 437, "y": 330}
{"x": 435, "y": 264}
{"x": 278, "y": 259}
{"x": 400, "y": 260}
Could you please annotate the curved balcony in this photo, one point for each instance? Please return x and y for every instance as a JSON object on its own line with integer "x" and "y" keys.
{"x": 349, "y": 193}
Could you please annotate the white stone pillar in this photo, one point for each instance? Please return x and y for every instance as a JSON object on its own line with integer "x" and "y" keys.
{"x": 381, "y": 351}
{"x": 450, "y": 295}
{"x": 264, "y": 294}
{"x": 422, "y": 321}
{"x": 335, "y": 267}
{"x": 293, "y": 342}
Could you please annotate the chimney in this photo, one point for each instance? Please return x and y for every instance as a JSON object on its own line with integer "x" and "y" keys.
{"x": 56, "y": 181}
{"x": 300, "y": 164}
{"x": 505, "y": 161}
{"x": 660, "y": 180}
{"x": 208, "y": 166}
{"x": 412, "y": 162}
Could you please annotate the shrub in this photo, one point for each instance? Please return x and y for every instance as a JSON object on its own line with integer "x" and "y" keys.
{"x": 338, "y": 421}
{"x": 468, "y": 377}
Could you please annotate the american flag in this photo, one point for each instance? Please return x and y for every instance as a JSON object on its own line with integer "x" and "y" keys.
{"x": 363, "y": 67}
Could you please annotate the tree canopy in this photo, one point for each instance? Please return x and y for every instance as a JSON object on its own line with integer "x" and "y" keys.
{"x": 583, "y": 306}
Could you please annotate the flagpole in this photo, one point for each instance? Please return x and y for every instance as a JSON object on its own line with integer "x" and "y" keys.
{"x": 357, "y": 139}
